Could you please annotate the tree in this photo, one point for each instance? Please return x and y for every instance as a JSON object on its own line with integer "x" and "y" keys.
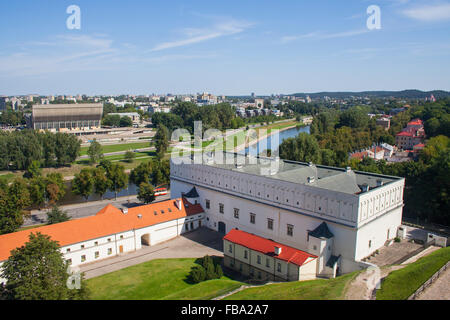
{"x": 130, "y": 156}
{"x": 161, "y": 141}
{"x": 95, "y": 152}
{"x": 197, "y": 274}
{"x": 303, "y": 148}
{"x": 56, "y": 215}
{"x": 146, "y": 193}
{"x": 141, "y": 173}
{"x": 55, "y": 187}
{"x": 13, "y": 199}
{"x": 37, "y": 190}
{"x": 33, "y": 170}
{"x": 38, "y": 271}
{"x": 83, "y": 183}
{"x": 219, "y": 271}
{"x": 126, "y": 122}
{"x": 101, "y": 182}
{"x": 118, "y": 179}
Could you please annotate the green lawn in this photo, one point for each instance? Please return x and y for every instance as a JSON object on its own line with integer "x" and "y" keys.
{"x": 320, "y": 289}
{"x": 157, "y": 279}
{"x": 400, "y": 284}
{"x": 118, "y": 147}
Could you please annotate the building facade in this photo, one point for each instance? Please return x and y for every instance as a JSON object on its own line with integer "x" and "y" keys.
{"x": 361, "y": 210}
{"x": 66, "y": 117}
{"x": 113, "y": 232}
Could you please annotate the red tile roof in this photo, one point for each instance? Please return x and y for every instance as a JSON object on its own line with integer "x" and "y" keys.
{"x": 267, "y": 247}
{"x": 107, "y": 221}
{"x": 404, "y": 134}
{"x": 415, "y": 122}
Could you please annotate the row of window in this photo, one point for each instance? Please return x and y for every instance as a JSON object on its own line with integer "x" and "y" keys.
{"x": 279, "y": 267}
{"x": 95, "y": 244}
{"x": 96, "y": 256}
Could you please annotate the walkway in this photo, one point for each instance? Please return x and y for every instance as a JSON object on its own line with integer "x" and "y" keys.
{"x": 439, "y": 290}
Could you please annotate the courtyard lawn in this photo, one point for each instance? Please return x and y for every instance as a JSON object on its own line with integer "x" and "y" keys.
{"x": 118, "y": 147}
{"x": 320, "y": 289}
{"x": 400, "y": 284}
{"x": 157, "y": 279}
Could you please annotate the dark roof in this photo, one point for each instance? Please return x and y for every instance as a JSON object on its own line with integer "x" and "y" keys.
{"x": 332, "y": 261}
{"x": 321, "y": 231}
{"x": 191, "y": 194}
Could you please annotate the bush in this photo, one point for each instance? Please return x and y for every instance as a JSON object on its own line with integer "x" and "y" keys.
{"x": 397, "y": 239}
{"x": 198, "y": 274}
{"x": 207, "y": 270}
{"x": 219, "y": 271}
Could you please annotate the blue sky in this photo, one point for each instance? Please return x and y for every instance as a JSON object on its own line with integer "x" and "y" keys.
{"x": 224, "y": 47}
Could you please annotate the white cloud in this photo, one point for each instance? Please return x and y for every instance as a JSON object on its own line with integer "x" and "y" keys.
{"x": 194, "y": 35}
{"x": 429, "y": 13}
{"x": 321, "y": 35}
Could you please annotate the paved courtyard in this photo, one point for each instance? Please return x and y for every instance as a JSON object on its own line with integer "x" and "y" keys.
{"x": 195, "y": 244}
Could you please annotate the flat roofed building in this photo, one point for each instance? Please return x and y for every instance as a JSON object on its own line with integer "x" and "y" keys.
{"x": 65, "y": 117}
{"x": 286, "y": 200}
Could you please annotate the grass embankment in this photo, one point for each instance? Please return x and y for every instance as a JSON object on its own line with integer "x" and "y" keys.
{"x": 118, "y": 147}
{"x": 320, "y": 289}
{"x": 401, "y": 284}
{"x": 165, "y": 279}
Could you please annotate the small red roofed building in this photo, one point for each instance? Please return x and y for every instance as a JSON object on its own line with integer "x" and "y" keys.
{"x": 265, "y": 260}
{"x": 413, "y": 134}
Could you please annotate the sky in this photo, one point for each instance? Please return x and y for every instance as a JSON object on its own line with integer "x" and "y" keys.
{"x": 222, "y": 47}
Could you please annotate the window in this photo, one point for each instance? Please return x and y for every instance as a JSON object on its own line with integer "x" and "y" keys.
{"x": 170, "y": 210}
{"x": 83, "y": 258}
{"x": 82, "y": 246}
{"x": 252, "y": 218}
{"x": 121, "y": 237}
{"x": 109, "y": 239}
{"x": 96, "y": 243}
{"x": 245, "y": 254}
{"x": 68, "y": 250}
{"x": 236, "y": 213}
{"x": 370, "y": 243}
{"x": 162, "y": 211}
{"x": 314, "y": 247}
{"x": 252, "y": 272}
{"x": 208, "y": 204}
{"x": 270, "y": 224}
{"x": 290, "y": 230}
{"x": 97, "y": 254}
{"x": 221, "y": 208}
{"x": 69, "y": 261}
{"x": 155, "y": 213}
{"x": 259, "y": 274}
{"x": 240, "y": 267}
{"x": 109, "y": 251}
{"x": 230, "y": 248}
{"x": 231, "y": 263}
{"x": 267, "y": 263}
{"x": 258, "y": 259}
{"x": 279, "y": 267}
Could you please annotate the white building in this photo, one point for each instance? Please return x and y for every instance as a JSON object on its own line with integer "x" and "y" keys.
{"x": 339, "y": 215}
{"x": 113, "y": 232}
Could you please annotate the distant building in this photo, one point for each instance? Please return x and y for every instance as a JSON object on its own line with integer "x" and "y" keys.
{"x": 64, "y": 117}
{"x": 413, "y": 134}
{"x": 259, "y": 103}
{"x": 384, "y": 122}
{"x": 2, "y": 103}
{"x": 134, "y": 116}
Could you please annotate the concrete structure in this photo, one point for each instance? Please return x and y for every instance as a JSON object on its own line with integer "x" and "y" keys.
{"x": 286, "y": 201}
{"x": 266, "y": 260}
{"x": 112, "y": 231}
{"x": 66, "y": 117}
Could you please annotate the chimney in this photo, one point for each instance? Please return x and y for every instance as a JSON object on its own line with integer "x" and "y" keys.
{"x": 139, "y": 216}
{"x": 277, "y": 251}
{"x": 124, "y": 210}
{"x": 379, "y": 183}
{"x": 365, "y": 187}
{"x": 348, "y": 169}
{"x": 178, "y": 204}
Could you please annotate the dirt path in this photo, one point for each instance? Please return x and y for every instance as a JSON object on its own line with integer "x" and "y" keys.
{"x": 439, "y": 290}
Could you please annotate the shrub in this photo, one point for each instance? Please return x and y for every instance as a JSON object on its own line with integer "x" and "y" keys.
{"x": 198, "y": 274}
{"x": 219, "y": 271}
{"x": 397, "y": 239}
{"x": 210, "y": 272}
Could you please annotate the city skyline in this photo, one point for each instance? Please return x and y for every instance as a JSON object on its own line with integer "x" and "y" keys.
{"x": 226, "y": 48}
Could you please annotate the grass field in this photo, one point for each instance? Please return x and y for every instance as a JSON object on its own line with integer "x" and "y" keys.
{"x": 118, "y": 147}
{"x": 320, "y": 289}
{"x": 165, "y": 279}
{"x": 400, "y": 284}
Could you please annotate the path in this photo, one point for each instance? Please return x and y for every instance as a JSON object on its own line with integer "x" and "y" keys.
{"x": 439, "y": 290}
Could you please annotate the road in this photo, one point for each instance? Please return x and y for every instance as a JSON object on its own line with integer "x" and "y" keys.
{"x": 120, "y": 152}
{"x": 85, "y": 209}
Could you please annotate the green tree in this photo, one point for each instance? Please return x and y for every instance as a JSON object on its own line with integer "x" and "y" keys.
{"x": 33, "y": 170}
{"x": 126, "y": 122}
{"x": 38, "y": 271}
{"x": 55, "y": 188}
{"x": 95, "y": 152}
{"x": 56, "y": 215}
{"x": 161, "y": 140}
{"x": 101, "y": 182}
{"x": 13, "y": 199}
{"x": 141, "y": 173}
{"x": 197, "y": 274}
{"x": 130, "y": 156}
{"x": 304, "y": 148}
{"x": 118, "y": 179}
{"x": 146, "y": 193}
{"x": 37, "y": 188}
{"x": 83, "y": 183}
